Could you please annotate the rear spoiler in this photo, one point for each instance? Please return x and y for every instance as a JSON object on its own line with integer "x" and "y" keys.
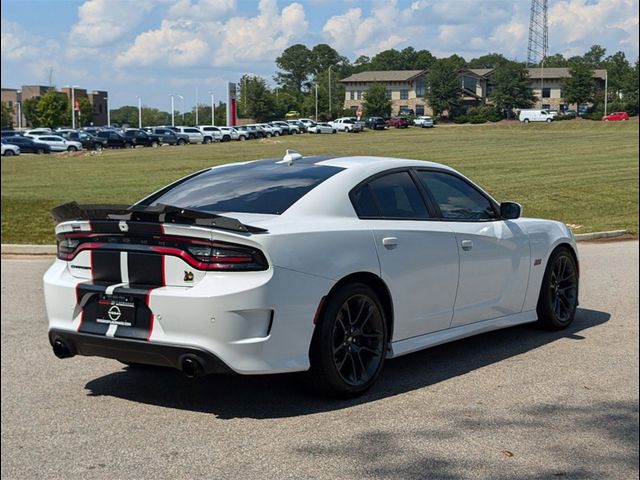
{"x": 155, "y": 214}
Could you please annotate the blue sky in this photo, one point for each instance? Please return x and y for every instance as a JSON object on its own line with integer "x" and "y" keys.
{"x": 153, "y": 48}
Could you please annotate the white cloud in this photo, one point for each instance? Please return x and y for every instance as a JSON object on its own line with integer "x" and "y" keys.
{"x": 175, "y": 43}
{"x": 101, "y": 23}
{"x": 367, "y": 35}
{"x": 202, "y": 9}
{"x": 578, "y": 24}
{"x": 19, "y": 44}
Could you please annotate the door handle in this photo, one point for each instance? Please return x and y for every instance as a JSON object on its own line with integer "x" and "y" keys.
{"x": 390, "y": 242}
{"x": 466, "y": 245}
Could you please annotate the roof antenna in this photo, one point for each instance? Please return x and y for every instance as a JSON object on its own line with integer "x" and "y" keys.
{"x": 290, "y": 157}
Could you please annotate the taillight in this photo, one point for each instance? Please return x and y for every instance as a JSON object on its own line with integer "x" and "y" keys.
{"x": 198, "y": 253}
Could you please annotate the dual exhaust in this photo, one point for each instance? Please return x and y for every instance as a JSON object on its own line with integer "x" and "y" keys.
{"x": 191, "y": 365}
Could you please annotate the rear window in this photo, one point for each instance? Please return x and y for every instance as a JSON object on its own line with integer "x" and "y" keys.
{"x": 258, "y": 187}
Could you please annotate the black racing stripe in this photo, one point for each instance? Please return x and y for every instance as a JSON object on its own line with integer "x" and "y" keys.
{"x": 106, "y": 266}
{"x": 145, "y": 269}
{"x": 141, "y": 329}
{"x": 88, "y": 293}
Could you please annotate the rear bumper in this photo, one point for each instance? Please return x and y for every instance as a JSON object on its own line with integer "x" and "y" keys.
{"x": 136, "y": 351}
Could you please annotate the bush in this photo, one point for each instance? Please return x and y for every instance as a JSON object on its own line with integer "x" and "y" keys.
{"x": 597, "y": 115}
{"x": 461, "y": 119}
{"x": 478, "y": 119}
{"x": 484, "y": 114}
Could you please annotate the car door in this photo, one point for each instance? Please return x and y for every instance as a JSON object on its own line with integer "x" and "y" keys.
{"x": 418, "y": 256}
{"x": 494, "y": 253}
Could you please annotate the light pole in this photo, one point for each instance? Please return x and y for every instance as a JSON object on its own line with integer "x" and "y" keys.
{"x": 73, "y": 105}
{"x": 106, "y": 99}
{"x": 316, "y": 102}
{"x": 606, "y": 86}
{"x": 213, "y": 111}
{"x": 19, "y": 104}
{"x": 330, "y": 114}
{"x": 182, "y": 98}
{"x": 139, "y": 112}
{"x": 173, "y": 112}
{"x": 197, "y": 106}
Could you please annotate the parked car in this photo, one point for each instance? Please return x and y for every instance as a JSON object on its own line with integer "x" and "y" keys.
{"x": 38, "y": 131}
{"x": 398, "y": 122}
{"x": 87, "y": 140}
{"x": 142, "y": 138}
{"x": 461, "y": 264}
{"x": 57, "y": 143}
{"x": 211, "y": 133}
{"x": 423, "y": 121}
{"x": 285, "y": 128}
{"x": 569, "y": 113}
{"x": 168, "y": 136}
{"x": 256, "y": 131}
{"x": 93, "y": 130}
{"x": 322, "y": 127}
{"x": 615, "y": 117}
{"x": 115, "y": 139}
{"x": 375, "y": 123}
{"x": 269, "y": 130}
{"x": 28, "y": 145}
{"x": 195, "y": 135}
{"x": 9, "y": 149}
{"x": 533, "y": 115}
{"x": 307, "y": 122}
{"x": 230, "y": 133}
{"x": 301, "y": 126}
{"x": 10, "y": 133}
{"x": 346, "y": 124}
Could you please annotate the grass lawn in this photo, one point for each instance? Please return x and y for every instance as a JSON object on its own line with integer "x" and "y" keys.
{"x": 580, "y": 172}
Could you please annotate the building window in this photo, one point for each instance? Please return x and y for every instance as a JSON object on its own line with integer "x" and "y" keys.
{"x": 404, "y": 110}
{"x": 420, "y": 84}
{"x": 546, "y": 92}
{"x": 352, "y": 94}
{"x": 100, "y": 107}
{"x": 546, "y": 106}
{"x": 404, "y": 94}
{"x": 389, "y": 94}
{"x": 419, "y": 110}
{"x": 469, "y": 83}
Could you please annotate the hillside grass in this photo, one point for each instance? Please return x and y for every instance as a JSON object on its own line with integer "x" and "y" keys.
{"x": 580, "y": 172}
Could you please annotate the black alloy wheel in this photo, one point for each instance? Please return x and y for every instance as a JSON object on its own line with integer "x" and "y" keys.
{"x": 559, "y": 292}
{"x": 350, "y": 342}
{"x": 8, "y": 153}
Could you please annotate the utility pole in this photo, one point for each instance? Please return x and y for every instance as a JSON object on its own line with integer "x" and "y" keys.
{"x": 182, "y": 98}
{"x": 213, "y": 111}
{"x": 316, "y": 102}
{"x": 106, "y": 99}
{"x": 139, "y": 112}
{"x": 197, "y": 106}
{"x": 606, "y": 87}
{"x": 173, "y": 112}
{"x": 330, "y": 111}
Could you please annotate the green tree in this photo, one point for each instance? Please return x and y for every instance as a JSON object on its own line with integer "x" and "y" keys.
{"x": 387, "y": 60}
{"x": 285, "y": 101}
{"x": 556, "y": 60}
{"x": 53, "y": 109}
{"x": 629, "y": 90}
{"x": 323, "y": 57}
{"x": 85, "y": 115}
{"x": 581, "y": 86}
{"x": 7, "y": 115}
{"x": 511, "y": 86}
{"x": 127, "y": 115}
{"x": 595, "y": 56}
{"x": 256, "y": 101}
{"x": 491, "y": 60}
{"x": 295, "y": 62}
{"x": 618, "y": 69}
{"x": 443, "y": 86}
{"x": 376, "y": 102}
{"x": 30, "y": 112}
{"x": 361, "y": 64}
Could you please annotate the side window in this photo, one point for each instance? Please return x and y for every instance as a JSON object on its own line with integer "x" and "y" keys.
{"x": 457, "y": 199}
{"x": 391, "y": 196}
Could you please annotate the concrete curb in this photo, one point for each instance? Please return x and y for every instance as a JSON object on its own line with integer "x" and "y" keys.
{"x": 581, "y": 237}
{"x": 25, "y": 249}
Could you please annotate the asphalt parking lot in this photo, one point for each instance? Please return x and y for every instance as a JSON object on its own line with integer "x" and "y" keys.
{"x": 518, "y": 403}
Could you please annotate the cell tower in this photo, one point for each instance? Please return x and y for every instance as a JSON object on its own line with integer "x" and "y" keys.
{"x": 538, "y": 48}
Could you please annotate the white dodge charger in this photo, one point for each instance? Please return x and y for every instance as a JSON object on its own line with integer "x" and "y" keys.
{"x": 326, "y": 264}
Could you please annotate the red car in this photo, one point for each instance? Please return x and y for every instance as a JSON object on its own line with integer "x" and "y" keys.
{"x": 398, "y": 122}
{"x": 615, "y": 117}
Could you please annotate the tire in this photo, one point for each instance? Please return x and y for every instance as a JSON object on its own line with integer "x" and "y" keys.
{"x": 242, "y": 138}
{"x": 72, "y": 149}
{"x": 606, "y": 119}
{"x": 526, "y": 120}
{"x": 181, "y": 141}
{"x": 349, "y": 343}
{"x": 39, "y": 151}
{"x": 335, "y": 131}
{"x": 128, "y": 145}
{"x": 98, "y": 147}
{"x": 206, "y": 140}
{"x": 549, "y": 120}
{"x": 276, "y": 134}
{"x": 8, "y": 153}
{"x": 226, "y": 138}
{"x": 318, "y": 132}
{"x": 154, "y": 145}
{"x": 558, "y": 298}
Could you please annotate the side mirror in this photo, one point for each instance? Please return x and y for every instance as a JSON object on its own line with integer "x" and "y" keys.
{"x": 510, "y": 210}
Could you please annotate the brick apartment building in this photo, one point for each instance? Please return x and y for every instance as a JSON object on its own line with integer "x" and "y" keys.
{"x": 14, "y": 98}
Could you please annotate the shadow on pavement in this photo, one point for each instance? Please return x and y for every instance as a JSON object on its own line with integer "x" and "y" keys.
{"x": 279, "y": 396}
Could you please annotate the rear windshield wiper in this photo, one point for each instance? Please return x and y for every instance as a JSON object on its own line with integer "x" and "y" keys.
{"x": 154, "y": 214}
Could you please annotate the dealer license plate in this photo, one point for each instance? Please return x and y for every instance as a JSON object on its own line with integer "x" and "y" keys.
{"x": 116, "y": 310}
